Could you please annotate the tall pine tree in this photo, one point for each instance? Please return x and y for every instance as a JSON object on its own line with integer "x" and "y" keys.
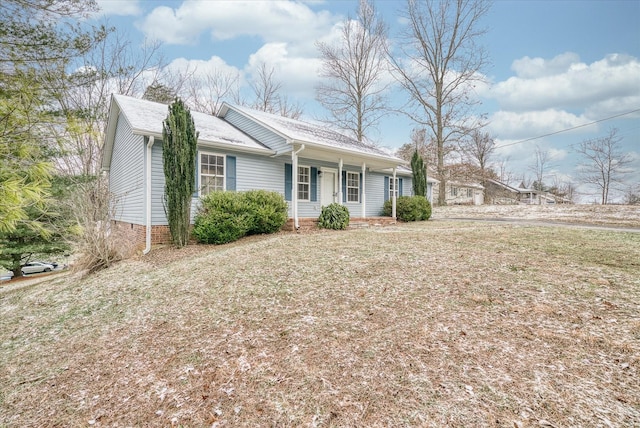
{"x": 419, "y": 175}
{"x": 179, "y": 140}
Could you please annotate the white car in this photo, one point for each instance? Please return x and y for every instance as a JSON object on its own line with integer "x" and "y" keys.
{"x": 6, "y": 275}
{"x": 35, "y": 267}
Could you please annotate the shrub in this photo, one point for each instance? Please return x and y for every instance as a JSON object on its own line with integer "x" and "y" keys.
{"x": 219, "y": 227}
{"x": 268, "y": 211}
{"x": 409, "y": 208}
{"x": 334, "y": 216}
{"x": 228, "y": 216}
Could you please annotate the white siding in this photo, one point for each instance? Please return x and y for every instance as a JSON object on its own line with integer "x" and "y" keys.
{"x": 126, "y": 177}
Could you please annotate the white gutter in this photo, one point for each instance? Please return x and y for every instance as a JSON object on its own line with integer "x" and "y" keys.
{"x": 147, "y": 248}
{"x": 294, "y": 185}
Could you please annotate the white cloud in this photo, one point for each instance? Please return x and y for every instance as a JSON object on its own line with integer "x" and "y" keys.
{"x": 271, "y": 21}
{"x": 119, "y": 7}
{"x": 564, "y": 82}
{"x": 297, "y": 75}
{"x": 522, "y": 125}
{"x": 531, "y": 68}
{"x": 200, "y": 68}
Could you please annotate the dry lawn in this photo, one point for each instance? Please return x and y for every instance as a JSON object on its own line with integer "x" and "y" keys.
{"x": 431, "y": 324}
{"x": 601, "y": 215}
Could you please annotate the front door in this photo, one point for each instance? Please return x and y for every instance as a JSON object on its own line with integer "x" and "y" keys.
{"x": 328, "y": 188}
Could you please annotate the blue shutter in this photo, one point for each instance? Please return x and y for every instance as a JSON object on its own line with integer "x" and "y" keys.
{"x": 288, "y": 181}
{"x": 231, "y": 173}
{"x": 344, "y": 186}
{"x": 399, "y": 186}
{"x": 386, "y": 189}
{"x": 314, "y": 184}
{"x": 360, "y": 189}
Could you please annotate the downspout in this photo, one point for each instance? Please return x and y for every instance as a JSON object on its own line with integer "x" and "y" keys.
{"x": 147, "y": 248}
{"x": 294, "y": 185}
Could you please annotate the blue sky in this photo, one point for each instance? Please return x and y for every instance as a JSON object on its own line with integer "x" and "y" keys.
{"x": 554, "y": 64}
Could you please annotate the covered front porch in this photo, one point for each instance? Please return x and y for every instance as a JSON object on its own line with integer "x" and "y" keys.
{"x": 318, "y": 177}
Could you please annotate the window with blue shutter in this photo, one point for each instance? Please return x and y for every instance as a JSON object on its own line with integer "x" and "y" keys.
{"x": 389, "y": 187}
{"x": 211, "y": 172}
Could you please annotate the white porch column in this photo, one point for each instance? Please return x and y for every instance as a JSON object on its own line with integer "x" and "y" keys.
{"x": 340, "y": 197}
{"x": 393, "y": 197}
{"x": 364, "y": 197}
{"x": 294, "y": 185}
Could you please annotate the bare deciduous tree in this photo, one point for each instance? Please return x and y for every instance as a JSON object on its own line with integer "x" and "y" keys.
{"x": 113, "y": 65}
{"x": 478, "y": 150}
{"x": 208, "y": 91}
{"x": 266, "y": 90}
{"x": 438, "y": 63}
{"x": 539, "y": 168}
{"x": 604, "y": 165}
{"x": 353, "y": 87}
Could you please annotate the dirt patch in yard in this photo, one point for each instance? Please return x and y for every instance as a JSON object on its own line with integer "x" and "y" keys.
{"x": 428, "y": 324}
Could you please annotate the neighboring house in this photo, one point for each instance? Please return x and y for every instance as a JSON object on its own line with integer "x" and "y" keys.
{"x": 459, "y": 193}
{"x": 243, "y": 149}
{"x": 513, "y": 193}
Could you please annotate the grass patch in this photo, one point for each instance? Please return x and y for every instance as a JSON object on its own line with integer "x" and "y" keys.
{"x": 425, "y": 324}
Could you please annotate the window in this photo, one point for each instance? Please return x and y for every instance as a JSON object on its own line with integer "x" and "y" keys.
{"x": 304, "y": 181}
{"x": 211, "y": 173}
{"x": 454, "y": 191}
{"x": 353, "y": 187}
{"x": 469, "y": 193}
{"x": 393, "y": 187}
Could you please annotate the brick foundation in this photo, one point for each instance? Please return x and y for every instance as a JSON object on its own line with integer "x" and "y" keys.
{"x": 135, "y": 234}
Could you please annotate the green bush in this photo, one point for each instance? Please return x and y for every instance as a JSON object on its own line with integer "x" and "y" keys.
{"x": 334, "y": 216}
{"x": 228, "y": 216}
{"x": 409, "y": 208}
{"x": 268, "y": 211}
{"x": 219, "y": 227}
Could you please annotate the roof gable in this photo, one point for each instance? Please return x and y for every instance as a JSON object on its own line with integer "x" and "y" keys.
{"x": 146, "y": 117}
{"x": 318, "y": 135}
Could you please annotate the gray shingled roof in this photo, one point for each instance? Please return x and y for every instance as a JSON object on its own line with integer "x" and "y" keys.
{"x": 318, "y": 134}
{"x": 145, "y": 117}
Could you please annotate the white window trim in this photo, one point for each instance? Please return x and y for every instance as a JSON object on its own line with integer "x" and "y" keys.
{"x": 307, "y": 183}
{"x": 347, "y": 187}
{"x": 224, "y": 169}
{"x": 393, "y": 187}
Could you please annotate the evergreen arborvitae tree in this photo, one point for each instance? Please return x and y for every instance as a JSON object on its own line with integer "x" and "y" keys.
{"x": 179, "y": 139}
{"x": 419, "y": 175}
